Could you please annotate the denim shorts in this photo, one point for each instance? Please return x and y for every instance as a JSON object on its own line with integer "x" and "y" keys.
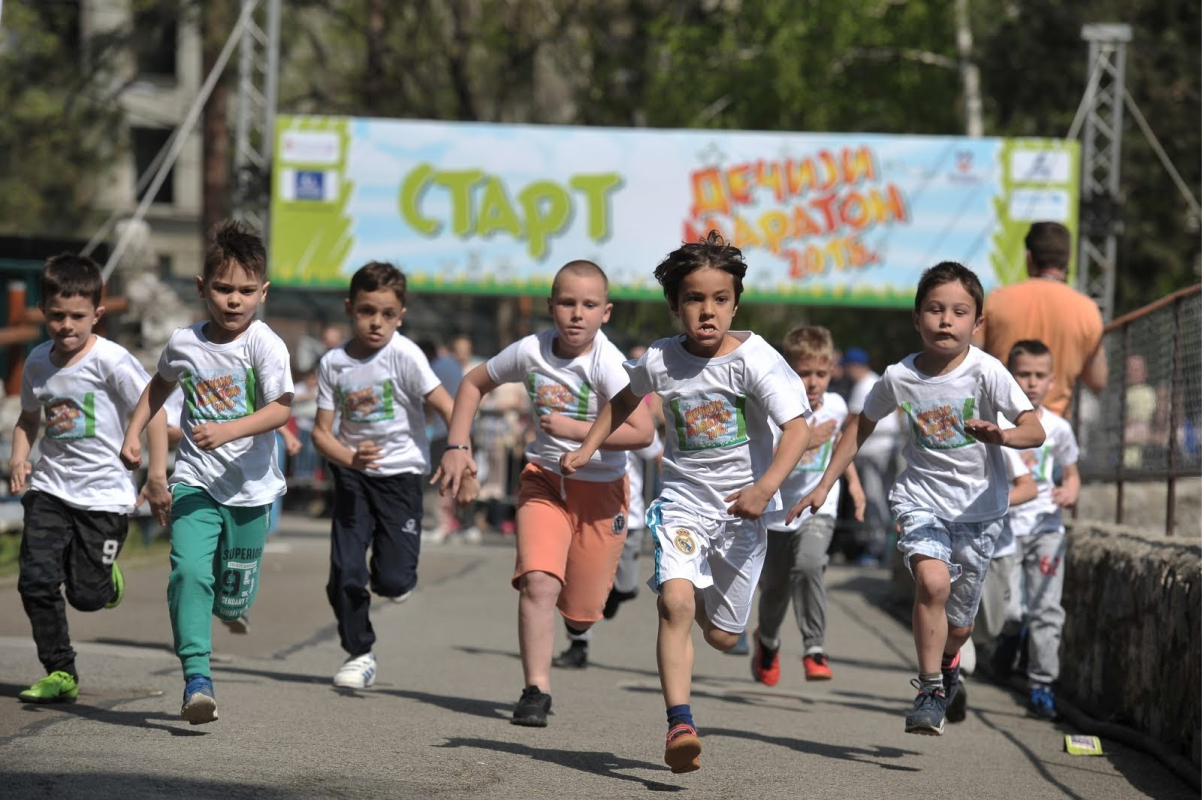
{"x": 966, "y": 548}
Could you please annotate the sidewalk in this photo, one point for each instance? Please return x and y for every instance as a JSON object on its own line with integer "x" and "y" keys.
{"x": 437, "y": 722}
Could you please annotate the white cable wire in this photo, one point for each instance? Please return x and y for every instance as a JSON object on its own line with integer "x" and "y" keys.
{"x": 1160, "y": 152}
{"x": 177, "y": 145}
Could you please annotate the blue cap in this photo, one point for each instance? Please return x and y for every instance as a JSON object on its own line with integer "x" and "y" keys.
{"x": 855, "y": 355}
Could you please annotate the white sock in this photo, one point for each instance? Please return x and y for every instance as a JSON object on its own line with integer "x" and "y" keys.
{"x": 771, "y": 644}
{"x": 815, "y": 650}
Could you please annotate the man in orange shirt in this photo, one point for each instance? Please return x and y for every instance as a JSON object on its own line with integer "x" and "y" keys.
{"x": 1044, "y": 307}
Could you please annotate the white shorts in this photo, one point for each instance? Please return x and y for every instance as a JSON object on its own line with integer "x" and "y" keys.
{"x": 721, "y": 558}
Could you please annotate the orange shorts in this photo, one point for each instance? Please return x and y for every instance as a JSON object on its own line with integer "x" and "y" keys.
{"x": 574, "y": 530}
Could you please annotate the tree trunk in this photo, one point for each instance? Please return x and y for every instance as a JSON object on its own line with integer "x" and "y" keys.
{"x": 217, "y": 17}
{"x": 970, "y": 75}
{"x": 375, "y": 84}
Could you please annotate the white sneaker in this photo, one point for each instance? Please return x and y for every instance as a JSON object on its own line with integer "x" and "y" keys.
{"x": 357, "y": 673}
{"x": 472, "y": 535}
{"x": 402, "y": 598}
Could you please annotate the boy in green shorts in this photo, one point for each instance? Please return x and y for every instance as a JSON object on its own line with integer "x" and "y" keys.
{"x": 237, "y": 390}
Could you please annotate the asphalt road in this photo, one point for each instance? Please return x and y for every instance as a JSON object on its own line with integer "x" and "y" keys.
{"x": 436, "y": 723}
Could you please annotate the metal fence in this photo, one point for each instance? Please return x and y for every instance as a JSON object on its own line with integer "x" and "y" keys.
{"x": 1147, "y": 424}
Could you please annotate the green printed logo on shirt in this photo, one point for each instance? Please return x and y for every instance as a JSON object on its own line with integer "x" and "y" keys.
{"x": 367, "y": 402}
{"x": 550, "y": 396}
{"x": 1039, "y": 461}
{"x": 71, "y": 417}
{"x": 817, "y": 459}
{"x": 219, "y": 394}
{"x": 939, "y": 424}
{"x": 705, "y": 421}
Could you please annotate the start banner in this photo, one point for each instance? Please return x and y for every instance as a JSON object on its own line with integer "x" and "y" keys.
{"x": 846, "y": 219}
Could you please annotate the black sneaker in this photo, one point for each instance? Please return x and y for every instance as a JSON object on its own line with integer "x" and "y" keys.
{"x": 927, "y": 715}
{"x": 614, "y": 600}
{"x": 575, "y": 657}
{"x": 532, "y": 708}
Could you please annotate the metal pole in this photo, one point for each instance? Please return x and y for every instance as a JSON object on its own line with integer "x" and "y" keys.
{"x": 1174, "y": 382}
{"x": 180, "y": 137}
{"x": 272, "y": 82}
{"x": 1122, "y": 465}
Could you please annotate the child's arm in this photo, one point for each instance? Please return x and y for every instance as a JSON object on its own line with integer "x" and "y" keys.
{"x": 1023, "y": 490}
{"x": 155, "y": 491}
{"x": 858, "y": 429}
{"x": 609, "y": 419}
{"x": 637, "y": 432}
{"x": 362, "y": 459}
{"x": 149, "y": 405}
{"x": 820, "y": 434}
{"x": 25, "y": 433}
{"x": 458, "y": 457}
{"x": 1026, "y": 433}
{"x": 211, "y": 435}
{"x": 855, "y": 489}
{"x": 1065, "y": 495}
{"x": 441, "y": 401}
{"x": 750, "y": 503}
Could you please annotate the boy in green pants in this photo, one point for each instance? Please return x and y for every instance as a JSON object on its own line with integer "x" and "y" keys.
{"x": 237, "y": 390}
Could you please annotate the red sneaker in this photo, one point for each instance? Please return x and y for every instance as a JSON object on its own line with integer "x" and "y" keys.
{"x": 765, "y": 663}
{"x": 683, "y": 750}
{"x": 816, "y": 667}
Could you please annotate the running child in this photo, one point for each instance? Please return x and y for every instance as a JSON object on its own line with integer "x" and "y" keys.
{"x": 720, "y": 389}
{"x": 795, "y": 566}
{"x": 1039, "y": 527}
{"x": 375, "y": 384}
{"x": 951, "y": 500}
{"x": 237, "y": 386}
{"x": 80, "y": 495}
{"x": 569, "y": 530}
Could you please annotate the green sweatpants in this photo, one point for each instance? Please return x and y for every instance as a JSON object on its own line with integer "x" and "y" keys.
{"x": 215, "y": 554}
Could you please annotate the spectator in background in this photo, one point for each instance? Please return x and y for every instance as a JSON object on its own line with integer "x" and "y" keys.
{"x": 876, "y": 458}
{"x": 1142, "y": 402}
{"x": 1044, "y": 307}
{"x": 841, "y": 384}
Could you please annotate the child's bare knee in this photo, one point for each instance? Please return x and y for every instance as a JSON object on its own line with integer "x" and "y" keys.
{"x": 677, "y": 606}
{"x": 932, "y": 583}
{"x": 721, "y": 640}
{"x": 541, "y": 587}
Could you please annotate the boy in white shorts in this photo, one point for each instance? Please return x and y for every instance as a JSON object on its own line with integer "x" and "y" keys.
{"x": 719, "y": 390}
{"x": 952, "y": 498}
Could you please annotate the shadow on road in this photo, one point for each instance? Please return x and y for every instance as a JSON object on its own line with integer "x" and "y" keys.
{"x": 1035, "y": 760}
{"x": 757, "y": 698}
{"x": 605, "y": 765}
{"x": 98, "y": 785}
{"x": 840, "y": 752}
{"x": 646, "y": 673}
{"x": 45, "y": 714}
{"x": 489, "y": 709}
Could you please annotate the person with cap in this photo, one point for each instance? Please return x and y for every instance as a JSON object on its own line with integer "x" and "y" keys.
{"x": 876, "y": 458}
{"x": 1046, "y": 308}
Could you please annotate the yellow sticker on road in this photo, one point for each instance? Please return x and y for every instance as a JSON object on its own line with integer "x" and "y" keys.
{"x": 1083, "y": 745}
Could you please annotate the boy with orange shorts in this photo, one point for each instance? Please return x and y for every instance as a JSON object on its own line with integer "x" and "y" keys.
{"x": 570, "y": 531}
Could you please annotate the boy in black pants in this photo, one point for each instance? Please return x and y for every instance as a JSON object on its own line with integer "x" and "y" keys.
{"x": 376, "y": 384}
{"x": 80, "y": 494}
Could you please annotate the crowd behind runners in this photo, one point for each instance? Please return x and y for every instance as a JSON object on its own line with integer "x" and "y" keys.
{"x": 751, "y": 444}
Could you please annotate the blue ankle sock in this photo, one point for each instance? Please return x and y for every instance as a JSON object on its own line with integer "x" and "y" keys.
{"x": 679, "y": 714}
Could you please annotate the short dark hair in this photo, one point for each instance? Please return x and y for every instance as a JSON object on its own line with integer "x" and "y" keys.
{"x": 69, "y": 275}
{"x": 713, "y": 251}
{"x": 235, "y": 241}
{"x": 581, "y": 268}
{"x": 949, "y": 272}
{"x": 1027, "y": 347}
{"x": 376, "y": 275}
{"x": 1050, "y": 245}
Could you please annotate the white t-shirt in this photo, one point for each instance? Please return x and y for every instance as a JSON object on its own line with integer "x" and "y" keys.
{"x": 1041, "y": 515}
{"x": 948, "y": 472}
{"x": 85, "y": 407}
{"x": 636, "y": 467}
{"x": 716, "y": 414}
{"x": 576, "y": 387}
{"x": 888, "y": 429}
{"x": 1005, "y": 544}
{"x": 222, "y": 382}
{"x": 806, "y": 475}
{"x": 381, "y": 398}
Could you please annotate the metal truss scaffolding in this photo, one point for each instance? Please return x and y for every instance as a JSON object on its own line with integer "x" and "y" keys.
{"x": 254, "y": 136}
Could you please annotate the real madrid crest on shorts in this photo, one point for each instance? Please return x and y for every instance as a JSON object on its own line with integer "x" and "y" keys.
{"x": 619, "y": 523}
{"x": 684, "y": 542}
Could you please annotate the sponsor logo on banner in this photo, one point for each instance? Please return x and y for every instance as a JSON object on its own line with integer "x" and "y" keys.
{"x": 310, "y": 185}
{"x": 309, "y": 147}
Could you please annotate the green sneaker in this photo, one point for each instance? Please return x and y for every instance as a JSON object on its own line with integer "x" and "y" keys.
{"x": 119, "y": 585}
{"x": 57, "y": 687}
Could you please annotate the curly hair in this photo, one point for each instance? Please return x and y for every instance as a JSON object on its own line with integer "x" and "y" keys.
{"x": 713, "y": 251}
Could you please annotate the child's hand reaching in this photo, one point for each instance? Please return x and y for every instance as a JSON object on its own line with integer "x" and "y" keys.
{"x": 469, "y": 488}
{"x": 570, "y": 462}
{"x": 19, "y": 472}
{"x": 366, "y": 456}
{"x": 858, "y": 500}
{"x": 563, "y": 427}
{"x": 131, "y": 452}
{"x": 156, "y": 492}
{"x": 814, "y": 501}
{"x": 985, "y": 432}
{"x": 210, "y": 435}
{"x": 748, "y": 503}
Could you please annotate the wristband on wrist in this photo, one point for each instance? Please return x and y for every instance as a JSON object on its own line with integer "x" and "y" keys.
{"x": 457, "y": 447}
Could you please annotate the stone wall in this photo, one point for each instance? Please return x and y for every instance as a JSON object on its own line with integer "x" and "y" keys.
{"x": 1132, "y": 646}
